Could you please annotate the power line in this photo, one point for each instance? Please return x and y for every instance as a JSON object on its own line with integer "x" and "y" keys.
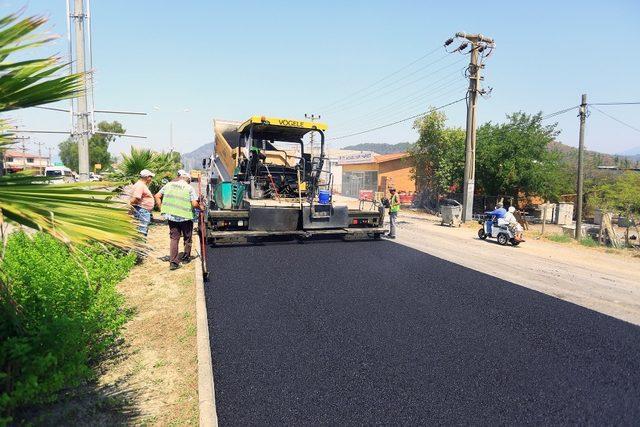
{"x": 616, "y": 119}
{"x": 615, "y": 103}
{"x": 363, "y": 99}
{"x": 410, "y": 108}
{"x": 405, "y": 100}
{"x": 385, "y": 77}
{"x": 557, "y": 113}
{"x": 398, "y": 121}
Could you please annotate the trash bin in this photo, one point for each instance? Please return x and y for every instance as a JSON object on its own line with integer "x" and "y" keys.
{"x": 451, "y": 215}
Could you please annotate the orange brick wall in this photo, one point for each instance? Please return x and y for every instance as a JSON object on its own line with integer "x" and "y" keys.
{"x": 360, "y": 167}
{"x": 398, "y": 173}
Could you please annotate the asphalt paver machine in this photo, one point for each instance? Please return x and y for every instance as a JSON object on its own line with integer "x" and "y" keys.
{"x": 261, "y": 182}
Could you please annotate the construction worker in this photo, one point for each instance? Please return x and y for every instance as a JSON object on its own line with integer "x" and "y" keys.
{"x": 394, "y": 208}
{"x": 141, "y": 201}
{"x": 176, "y": 201}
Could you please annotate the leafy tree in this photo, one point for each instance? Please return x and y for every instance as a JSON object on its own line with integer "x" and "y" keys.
{"x": 98, "y": 147}
{"x": 514, "y": 158}
{"x": 621, "y": 194}
{"x": 438, "y": 154}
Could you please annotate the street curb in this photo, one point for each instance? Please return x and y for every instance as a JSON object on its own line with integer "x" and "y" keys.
{"x": 206, "y": 388}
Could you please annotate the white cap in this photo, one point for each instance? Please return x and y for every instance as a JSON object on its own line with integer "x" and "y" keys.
{"x": 144, "y": 173}
{"x": 183, "y": 174}
{"x": 512, "y": 209}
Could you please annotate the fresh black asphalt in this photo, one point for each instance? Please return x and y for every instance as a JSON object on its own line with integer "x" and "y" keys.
{"x": 359, "y": 333}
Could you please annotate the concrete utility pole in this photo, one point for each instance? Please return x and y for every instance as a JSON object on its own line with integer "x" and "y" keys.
{"x": 82, "y": 130}
{"x": 478, "y": 44}
{"x": 49, "y": 162}
{"x": 170, "y": 136}
{"x": 583, "y": 117}
{"x": 40, "y": 168}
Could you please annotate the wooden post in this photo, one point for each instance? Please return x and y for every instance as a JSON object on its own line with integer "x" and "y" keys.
{"x": 600, "y": 234}
{"x": 544, "y": 217}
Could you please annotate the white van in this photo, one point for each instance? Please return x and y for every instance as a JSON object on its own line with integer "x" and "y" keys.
{"x": 64, "y": 173}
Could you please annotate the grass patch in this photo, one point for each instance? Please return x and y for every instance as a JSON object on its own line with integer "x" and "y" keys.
{"x": 559, "y": 238}
{"x": 589, "y": 242}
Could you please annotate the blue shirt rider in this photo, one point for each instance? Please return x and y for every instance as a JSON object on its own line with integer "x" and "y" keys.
{"x": 497, "y": 213}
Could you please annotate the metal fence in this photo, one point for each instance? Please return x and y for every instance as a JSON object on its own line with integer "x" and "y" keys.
{"x": 431, "y": 201}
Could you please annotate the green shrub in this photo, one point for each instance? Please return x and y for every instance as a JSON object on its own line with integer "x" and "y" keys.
{"x": 559, "y": 238}
{"x": 589, "y": 242}
{"x": 60, "y": 311}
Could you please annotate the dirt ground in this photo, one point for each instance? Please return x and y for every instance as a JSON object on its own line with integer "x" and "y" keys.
{"x": 605, "y": 280}
{"x": 151, "y": 378}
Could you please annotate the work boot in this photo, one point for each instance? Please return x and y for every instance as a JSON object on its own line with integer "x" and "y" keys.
{"x": 174, "y": 266}
{"x": 186, "y": 259}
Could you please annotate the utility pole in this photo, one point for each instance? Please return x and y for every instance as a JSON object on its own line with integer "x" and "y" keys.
{"x": 479, "y": 44}
{"x": 24, "y": 156}
{"x": 49, "y": 162}
{"x": 313, "y": 118}
{"x": 583, "y": 117}
{"x": 40, "y": 168}
{"x": 82, "y": 130}
{"x": 171, "y": 136}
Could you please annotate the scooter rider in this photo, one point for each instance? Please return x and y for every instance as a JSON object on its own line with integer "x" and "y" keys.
{"x": 498, "y": 213}
{"x": 513, "y": 224}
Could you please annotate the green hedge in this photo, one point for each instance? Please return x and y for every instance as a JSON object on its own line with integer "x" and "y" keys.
{"x": 59, "y": 312}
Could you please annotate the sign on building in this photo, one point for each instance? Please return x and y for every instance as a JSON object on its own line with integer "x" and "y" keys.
{"x": 363, "y": 157}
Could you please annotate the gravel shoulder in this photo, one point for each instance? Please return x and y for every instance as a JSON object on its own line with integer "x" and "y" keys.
{"x": 594, "y": 278}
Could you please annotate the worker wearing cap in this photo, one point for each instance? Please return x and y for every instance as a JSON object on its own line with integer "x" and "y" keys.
{"x": 142, "y": 201}
{"x": 394, "y": 208}
{"x": 176, "y": 201}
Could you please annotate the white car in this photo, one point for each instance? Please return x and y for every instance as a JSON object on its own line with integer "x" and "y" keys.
{"x": 62, "y": 174}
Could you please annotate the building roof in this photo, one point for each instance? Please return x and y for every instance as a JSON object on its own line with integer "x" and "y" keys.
{"x": 16, "y": 153}
{"x": 388, "y": 157}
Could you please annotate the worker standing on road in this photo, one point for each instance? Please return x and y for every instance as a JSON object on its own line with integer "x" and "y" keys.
{"x": 394, "y": 208}
{"x": 141, "y": 201}
{"x": 176, "y": 200}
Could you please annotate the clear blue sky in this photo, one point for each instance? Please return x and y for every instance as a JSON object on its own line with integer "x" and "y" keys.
{"x": 284, "y": 58}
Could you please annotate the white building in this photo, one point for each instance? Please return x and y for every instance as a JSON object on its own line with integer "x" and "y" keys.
{"x": 18, "y": 161}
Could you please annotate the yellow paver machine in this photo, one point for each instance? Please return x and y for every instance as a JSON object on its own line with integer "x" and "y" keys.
{"x": 261, "y": 182}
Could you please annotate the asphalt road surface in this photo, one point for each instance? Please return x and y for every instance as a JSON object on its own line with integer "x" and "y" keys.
{"x": 339, "y": 332}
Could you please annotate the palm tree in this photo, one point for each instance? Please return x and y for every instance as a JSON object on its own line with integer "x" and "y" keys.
{"x": 163, "y": 164}
{"x": 72, "y": 213}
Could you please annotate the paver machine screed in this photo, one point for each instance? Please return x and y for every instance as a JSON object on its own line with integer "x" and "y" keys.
{"x": 261, "y": 182}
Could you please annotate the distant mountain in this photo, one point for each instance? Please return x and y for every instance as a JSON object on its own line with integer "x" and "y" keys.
{"x": 634, "y": 152}
{"x": 193, "y": 160}
{"x": 380, "y": 148}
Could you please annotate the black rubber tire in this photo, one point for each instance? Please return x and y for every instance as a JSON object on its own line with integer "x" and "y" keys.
{"x": 503, "y": 239}
{"x": 481, "y": 234}
{"x": 377, "y": 236}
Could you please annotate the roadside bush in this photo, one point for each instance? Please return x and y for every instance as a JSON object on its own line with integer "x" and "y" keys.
{"x": 559, "y": 238}
{"x": 59, "y": 312}
{"x": 589, "y": 242}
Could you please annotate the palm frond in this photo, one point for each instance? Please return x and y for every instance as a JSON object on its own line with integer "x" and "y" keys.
{"x": 70, "y": 212}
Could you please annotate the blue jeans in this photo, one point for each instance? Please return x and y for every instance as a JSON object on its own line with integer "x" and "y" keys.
{"x": 144, "y": 218}
{"x": 393, "y": 220}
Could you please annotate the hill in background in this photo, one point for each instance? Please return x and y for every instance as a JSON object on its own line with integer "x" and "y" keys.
{"x": 593, "y": 159}
{"x": 380, "y": 148}
{"x": 193, "y": 160}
